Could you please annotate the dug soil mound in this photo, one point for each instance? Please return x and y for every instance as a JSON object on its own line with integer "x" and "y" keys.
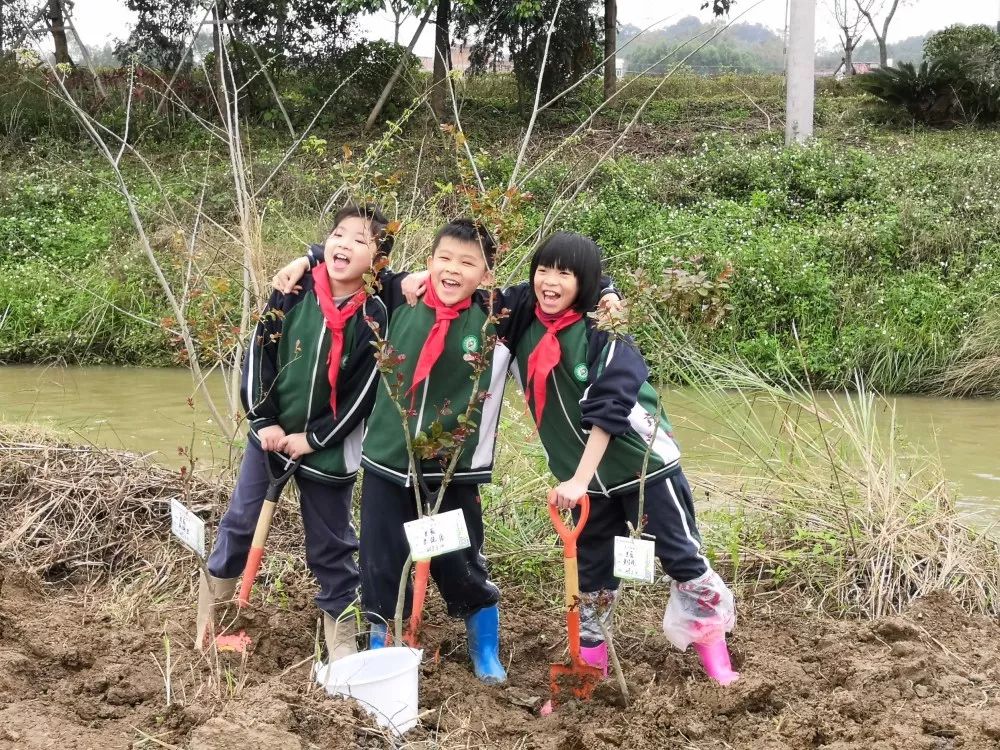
{"x": 73, "y": 676}
{"x": 96, "y": 648}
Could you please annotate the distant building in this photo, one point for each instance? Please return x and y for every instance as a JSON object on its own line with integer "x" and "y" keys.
{"x": 860, "y": 68}
{"x": 460, "y": 61}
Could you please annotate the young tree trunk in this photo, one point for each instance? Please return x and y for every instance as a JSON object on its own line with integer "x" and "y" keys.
{"x": 57, "y": 24}
{"x": 866, "y": 8}
{"x": 848, "y": 60}
{"x": 442, "y": 43}
{"x": 384, "y": 96}
{"x": 610, "y": 47}
{"x": 218, "y": 13}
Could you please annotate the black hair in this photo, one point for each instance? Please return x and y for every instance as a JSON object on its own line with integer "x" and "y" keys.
{"x": 471, "y": 231}
{"x": 377, "y": 223}
{"x": 572, "y": 252}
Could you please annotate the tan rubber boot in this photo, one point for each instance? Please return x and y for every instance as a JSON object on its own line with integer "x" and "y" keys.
{"x": 341, "y": 637}
{"x": 211, "y": 591}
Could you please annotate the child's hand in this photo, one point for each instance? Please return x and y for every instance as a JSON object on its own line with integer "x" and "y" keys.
{"x": 414, "y": 286}
{"x": 270, "y": 437}
{"x": 295, "y": 446}
{"x": 286, "y": 280}
{"x": 611, "y": 302}
{"x": 567, "y": 494}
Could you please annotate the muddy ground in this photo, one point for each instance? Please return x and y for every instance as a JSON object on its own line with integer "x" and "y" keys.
{"x": 72, "y": 677}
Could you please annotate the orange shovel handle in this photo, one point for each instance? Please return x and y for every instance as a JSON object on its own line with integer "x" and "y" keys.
{"x": 250, "y": 575}
{"x": 256, "y": 551}
{"x": 420, "y": 574}
{"x": 569, "y": 536}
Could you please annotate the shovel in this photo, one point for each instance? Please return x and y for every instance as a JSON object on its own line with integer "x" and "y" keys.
{"x": 578, "y": 677}
{"x": 421, "y": 571}
{"x": 263, "y": 528}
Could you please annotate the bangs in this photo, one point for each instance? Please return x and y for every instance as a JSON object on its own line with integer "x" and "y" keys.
{"x": 565, "y": 255}
{"x": 577, "y": 254}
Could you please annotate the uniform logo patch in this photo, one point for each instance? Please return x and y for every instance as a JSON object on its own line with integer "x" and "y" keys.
{"x": 470, "y": 344}
{"x": 580, "y": 372}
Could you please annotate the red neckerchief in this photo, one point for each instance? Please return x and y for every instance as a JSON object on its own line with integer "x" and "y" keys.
{"x": 443, "y": 315}
{"x": 546, "y": 356}
{"x": 336, "y": 319}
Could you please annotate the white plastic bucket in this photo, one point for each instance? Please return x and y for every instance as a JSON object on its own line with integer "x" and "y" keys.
{"x": 385, "y": 681}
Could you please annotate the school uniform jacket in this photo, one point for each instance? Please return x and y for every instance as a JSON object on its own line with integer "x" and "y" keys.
{"x": 600, "y": 381}
{"x": 444, "y": 395}
{"x": 285, "y": 380}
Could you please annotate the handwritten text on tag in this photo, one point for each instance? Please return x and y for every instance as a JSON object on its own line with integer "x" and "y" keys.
{"x": 435, "y": 535}
{"x": 634, "y": 558}
{"x": 187, "y": 527}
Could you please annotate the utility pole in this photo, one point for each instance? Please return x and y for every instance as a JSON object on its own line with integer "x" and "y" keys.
{"x": 800, "y": 71}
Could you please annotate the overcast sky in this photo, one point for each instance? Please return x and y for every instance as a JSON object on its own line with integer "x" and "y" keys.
{"x": 98, "y": 20}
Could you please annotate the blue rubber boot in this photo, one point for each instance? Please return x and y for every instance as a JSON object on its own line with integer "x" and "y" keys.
{"x": 376, "y": 637}
{"x": 484, "y": 645}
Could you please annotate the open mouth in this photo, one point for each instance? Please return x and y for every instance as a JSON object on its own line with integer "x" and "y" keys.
{"x": 340, "y": 261}
{"x": 451, "y": 284}
{"x": 550, "y": 296}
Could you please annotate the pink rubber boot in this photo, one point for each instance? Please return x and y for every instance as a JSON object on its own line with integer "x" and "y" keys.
{"x": 596, "y": 656}
{"x": 715, "y": 658}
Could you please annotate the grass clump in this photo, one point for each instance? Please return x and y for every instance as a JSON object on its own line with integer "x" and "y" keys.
{"x": 974, "y": 369}
{"x": 834, "y": 509}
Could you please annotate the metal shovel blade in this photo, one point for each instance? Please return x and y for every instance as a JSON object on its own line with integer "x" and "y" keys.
{"x": 578, "y": 679}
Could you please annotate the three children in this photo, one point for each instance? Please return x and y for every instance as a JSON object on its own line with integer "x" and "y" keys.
{"x": 596, "y": 413}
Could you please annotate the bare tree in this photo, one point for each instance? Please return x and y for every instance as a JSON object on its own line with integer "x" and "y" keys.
{"x": 869, "y": 8}
{"x": 387, "y": 89}
{"x": 400, "y": 12}
{"x": 850, "y": 21}
{"x": 610, "y": 47}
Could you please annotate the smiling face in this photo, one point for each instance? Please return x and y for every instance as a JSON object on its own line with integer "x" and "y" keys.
{"x": 555, "y": 288}
{"x": 457, "y": 269}
{"x": 349, "y": 252}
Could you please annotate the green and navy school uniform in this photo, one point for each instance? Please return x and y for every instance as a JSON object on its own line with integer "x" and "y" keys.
{"x": 285, "y": 380}
{"x": 600, "y": 381}
{"x": 603, "y": 381}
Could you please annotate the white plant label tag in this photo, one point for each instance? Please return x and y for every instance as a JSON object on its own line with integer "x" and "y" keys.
{"x": 435, "y": 535}
{"x": 634, "y": 558}
{"x": 187, "y": 527}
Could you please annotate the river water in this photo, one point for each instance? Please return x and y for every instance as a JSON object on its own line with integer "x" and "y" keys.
{"x": 146, "y": 410}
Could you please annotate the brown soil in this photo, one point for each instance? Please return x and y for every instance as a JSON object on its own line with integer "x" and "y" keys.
{"x": 71, "y": 677}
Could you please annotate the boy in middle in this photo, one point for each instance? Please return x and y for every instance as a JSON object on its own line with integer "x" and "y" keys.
{"x": 435, "y": 338}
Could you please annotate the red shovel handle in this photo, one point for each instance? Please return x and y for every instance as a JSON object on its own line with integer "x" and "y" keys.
{"x": 256, "y": 550}
{"x": 250, "y": 575}
{"x": 569, "y": 536}
{"x": 423, "y": 568}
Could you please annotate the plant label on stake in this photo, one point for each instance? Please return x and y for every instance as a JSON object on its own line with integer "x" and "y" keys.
{"x": 634, "y": 558}
{"x": 435, "y": 535}
{"x": 187, "y": 527}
